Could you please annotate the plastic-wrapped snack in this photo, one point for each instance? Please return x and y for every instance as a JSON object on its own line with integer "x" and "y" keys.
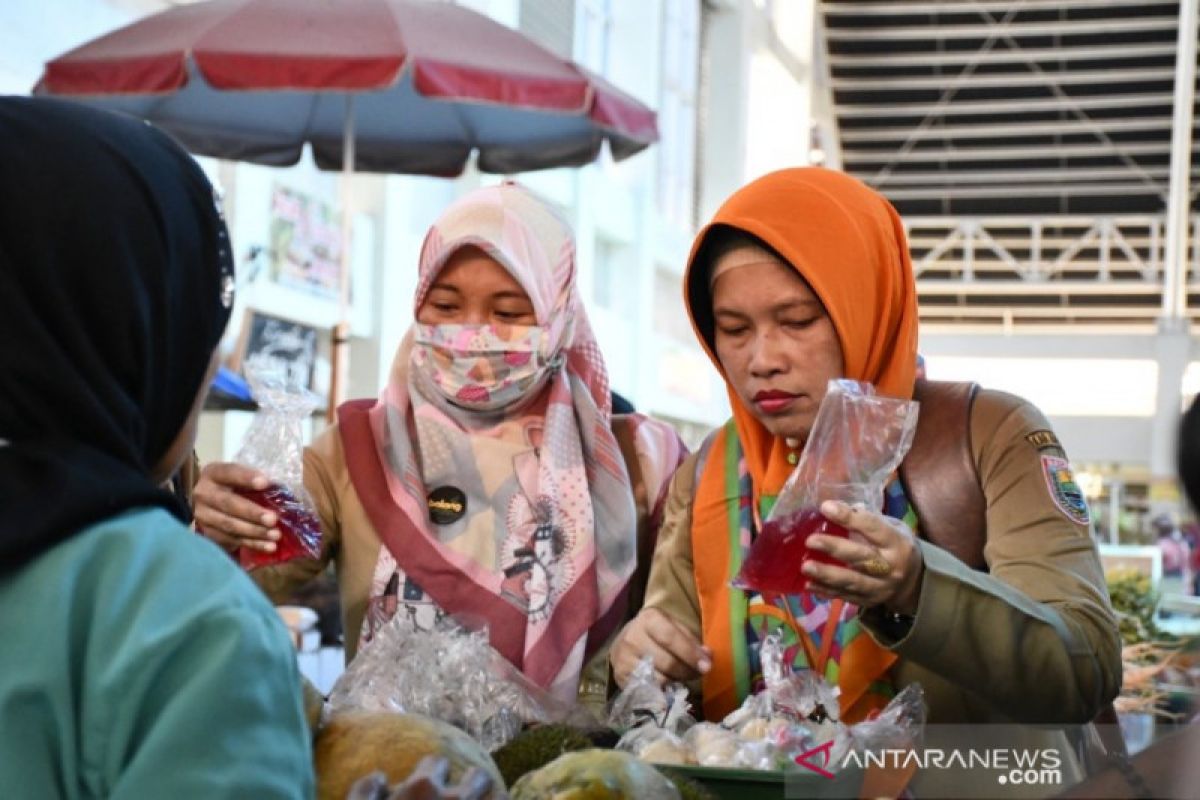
{"x": 274, "y": 445}
{"x": 652, "y": 717}
{"x": 857, "y": 440}
{"x": 898, "y": 725}
{"x": 448, "y": 673}
{"x": 713, "y": 745}
{"x": 803, "y": 695}
{"x": 643, "y": 702}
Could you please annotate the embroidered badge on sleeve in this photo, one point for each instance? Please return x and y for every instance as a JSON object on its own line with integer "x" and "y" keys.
{"x": 1064, "y": 490}
{"x": 1043, "y": 440}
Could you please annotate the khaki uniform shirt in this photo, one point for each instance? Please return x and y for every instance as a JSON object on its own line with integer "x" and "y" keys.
{"x": 350, "y": 540}
{"x": 1031, "y": 641}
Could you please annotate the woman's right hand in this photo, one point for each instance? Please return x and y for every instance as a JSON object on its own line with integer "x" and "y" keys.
{"x": 678, "y": 655}
{"x": 226, "y": 517}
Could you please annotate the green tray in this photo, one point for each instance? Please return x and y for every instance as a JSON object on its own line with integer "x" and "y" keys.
{"x": 753, "y": 784}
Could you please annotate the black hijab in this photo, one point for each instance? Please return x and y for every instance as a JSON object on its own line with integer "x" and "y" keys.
{"x": 115, "y": 285}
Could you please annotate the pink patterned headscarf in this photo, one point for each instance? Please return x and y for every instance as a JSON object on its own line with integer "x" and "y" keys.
{"x": 546, "y": 543}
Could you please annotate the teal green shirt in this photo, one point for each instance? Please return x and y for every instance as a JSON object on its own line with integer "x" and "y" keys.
{"x": 138, "y": 661}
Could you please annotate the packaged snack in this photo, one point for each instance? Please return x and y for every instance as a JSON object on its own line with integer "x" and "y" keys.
{"x": 857, "y": 441}
{"x": 274, "y": 445}
{"x": 451, "y": 674}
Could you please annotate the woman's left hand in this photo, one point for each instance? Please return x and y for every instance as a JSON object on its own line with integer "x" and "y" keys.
{"x": 883, "y": 564}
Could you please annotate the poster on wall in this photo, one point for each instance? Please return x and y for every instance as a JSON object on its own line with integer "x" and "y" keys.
{"x": 288, "y": 347}
{"x": 306, "y": 243}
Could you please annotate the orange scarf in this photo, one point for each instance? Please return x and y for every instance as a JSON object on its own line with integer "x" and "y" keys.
{"x": 848, "y": 244}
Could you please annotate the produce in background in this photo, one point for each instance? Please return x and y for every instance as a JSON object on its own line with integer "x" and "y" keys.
{"x": 1140, "y": 666}
{"x": 537, "y": 747}
{"x": 1135, "y": 603}
{"x": 354, "y": 744}
{"x": 596, "y": 775}
{"x": 429, "y": 781}
{"x": 1161, "y": 675}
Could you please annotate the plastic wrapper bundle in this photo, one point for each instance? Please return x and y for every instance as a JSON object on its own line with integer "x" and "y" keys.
{"x": 652, "y": 719}
{"x": 274, "y": 445}
{"x": 857, "y": 440}
{"x": 795, "y": 713}
{"x": 449, "y": 673}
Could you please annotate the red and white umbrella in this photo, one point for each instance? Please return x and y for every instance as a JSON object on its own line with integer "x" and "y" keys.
{"x": 397, "y": 86}
{"x": 413, "y": 87}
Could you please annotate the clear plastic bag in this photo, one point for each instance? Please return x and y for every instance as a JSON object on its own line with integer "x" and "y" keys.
{"x": 449, "y": 673}
{"x": 857, "y": 440}
{"x": 652, "y": 718}
{"x": 274, "y": 445}
{"x": 794, "y": 714}
{"x": 897, "y": 727}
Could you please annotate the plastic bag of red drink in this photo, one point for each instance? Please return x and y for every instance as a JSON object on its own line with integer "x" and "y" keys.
{"x": 857, "y": 441}
{"x": 274, "y": 445}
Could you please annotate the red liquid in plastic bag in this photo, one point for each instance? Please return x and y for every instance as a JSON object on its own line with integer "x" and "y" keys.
{"x": 773, "y": 563}
{"x": 298, "y": 526}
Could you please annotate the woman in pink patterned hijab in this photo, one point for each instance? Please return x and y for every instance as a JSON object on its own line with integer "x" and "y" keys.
{"x": 490, "y": 480}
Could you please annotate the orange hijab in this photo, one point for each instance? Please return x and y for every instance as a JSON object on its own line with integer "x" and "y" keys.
{"x": 848, "y": 243}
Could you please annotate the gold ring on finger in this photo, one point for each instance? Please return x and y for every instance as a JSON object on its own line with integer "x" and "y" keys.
{"x": 876, "y": 567}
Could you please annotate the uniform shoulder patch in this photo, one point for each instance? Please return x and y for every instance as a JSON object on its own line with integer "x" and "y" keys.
{"x": 1043, "y": 440}
{"x": 1064, "y": 490}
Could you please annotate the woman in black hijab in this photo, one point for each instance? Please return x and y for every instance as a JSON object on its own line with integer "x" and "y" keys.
{"x": 136, "y": 660}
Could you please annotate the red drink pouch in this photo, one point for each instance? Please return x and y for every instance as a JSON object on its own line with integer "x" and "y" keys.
{"x": 274, "y": 445}
{"x": 773, "y": 564}
{"x": 299, "y": 528}
{"x": 856, "y": 443}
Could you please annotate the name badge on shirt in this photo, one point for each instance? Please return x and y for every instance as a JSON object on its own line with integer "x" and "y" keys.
{"x": 447, "y": 505}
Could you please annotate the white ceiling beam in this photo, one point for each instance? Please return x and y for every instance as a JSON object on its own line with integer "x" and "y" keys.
{"x": 1008, "y": 328}
{"x": 1015, "y": 106}
{"x": 1044, "y": 312}
{"x": 896, "y": 8}
{"x": 1025, "y": 190}
{"x": 1020, "y": 175}
{"x": 1073, "y": 77}
{"x": 1026, "y": 220}
{"x": 998, "y": 270}
{"x": 1003, "y": 56}
{"x": 869, "y": 156}
{"x": 1003, "y": 288}
{"x": 985, "y": 30}
{"x": 985, "y": 130}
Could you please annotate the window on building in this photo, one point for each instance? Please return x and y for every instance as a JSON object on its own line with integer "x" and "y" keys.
{"x": 592, "y": 36}
{"x": 677, "y": 110}
{"x": 670, "y": 317}
{"x": 550, "y": 23}
{"x": 613, "y": 278}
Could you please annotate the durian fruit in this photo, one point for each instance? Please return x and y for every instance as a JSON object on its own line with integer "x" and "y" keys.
{"x": 596, "y": 775}
{"x": 356, "y": 743}
{"x": 536, "y": 747}
{"x": 314, "y": 705}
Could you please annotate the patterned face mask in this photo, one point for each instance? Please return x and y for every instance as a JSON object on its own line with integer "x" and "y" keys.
{"x": 481, "y": 367}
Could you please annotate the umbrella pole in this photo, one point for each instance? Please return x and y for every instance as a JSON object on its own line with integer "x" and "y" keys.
{"x": 340, "y": 342}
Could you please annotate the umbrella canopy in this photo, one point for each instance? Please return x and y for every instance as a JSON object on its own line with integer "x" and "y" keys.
{"x": 254, "y": 80}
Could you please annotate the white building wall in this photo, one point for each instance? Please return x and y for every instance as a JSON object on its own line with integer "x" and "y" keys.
{"x": 624, "y": 239}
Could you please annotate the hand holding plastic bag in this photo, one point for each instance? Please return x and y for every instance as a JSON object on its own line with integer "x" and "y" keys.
{"x": 274, "y": 445}
{"x": 857, "y": 441}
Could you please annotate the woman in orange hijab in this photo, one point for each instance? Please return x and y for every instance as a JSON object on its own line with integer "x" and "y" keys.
{"x": 801, "y": 277}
